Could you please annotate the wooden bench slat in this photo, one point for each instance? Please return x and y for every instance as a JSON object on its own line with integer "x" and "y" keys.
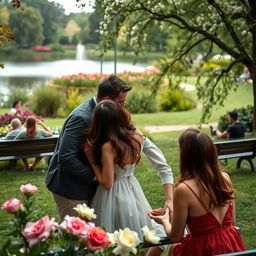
{"x": 224, "y": 156}
{"x": 18, "y": 149}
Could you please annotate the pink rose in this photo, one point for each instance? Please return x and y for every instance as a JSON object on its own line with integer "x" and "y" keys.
{"x": 97, "y": 239}
{"x": 12, "y": 205}
{"x": 28, "y": 189}
{"x": 35, "y": 232}
{"x": 76, "y": 226}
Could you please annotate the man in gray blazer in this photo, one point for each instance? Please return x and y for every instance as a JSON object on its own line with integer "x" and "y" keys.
{"x": 70, "y": 177}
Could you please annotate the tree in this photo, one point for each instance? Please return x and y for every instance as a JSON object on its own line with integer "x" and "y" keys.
{"x": 27, "y": 25}
{"x": 71, "y": 29}
{"x": 53, "y": 16}
{"x": 229, "y": 26}
{"x": 5, "y": 33}
{"x": 4, "y": 15}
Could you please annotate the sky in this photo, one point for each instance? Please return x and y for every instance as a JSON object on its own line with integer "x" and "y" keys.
{"x": 71, "y": 6}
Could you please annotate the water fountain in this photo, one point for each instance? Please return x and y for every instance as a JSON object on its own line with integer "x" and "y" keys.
{"x": 80, "y": 52}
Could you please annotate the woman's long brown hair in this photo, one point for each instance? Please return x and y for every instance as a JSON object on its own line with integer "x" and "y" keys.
{"x": 112, "y": 123}
{"x": 199, "y": 159}
{"x": 31, "y": 126}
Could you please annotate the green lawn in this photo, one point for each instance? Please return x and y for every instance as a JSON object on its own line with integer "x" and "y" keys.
{"x": 244, "y": 181}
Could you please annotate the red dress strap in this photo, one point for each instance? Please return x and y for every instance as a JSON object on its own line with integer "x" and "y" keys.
{"x": 198, "y": 198}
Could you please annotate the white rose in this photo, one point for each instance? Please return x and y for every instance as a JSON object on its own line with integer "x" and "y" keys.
{"x": 85, "y": 212}
{"x": 150, "y": 235}
{"x": 127, "y": 241}
{"x": 111, "y": 239}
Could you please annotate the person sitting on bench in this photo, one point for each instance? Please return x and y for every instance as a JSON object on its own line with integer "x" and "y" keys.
{"x": 15, "y": 129}
{"x": 32, "y": 132}
{"x": 235, "y": 130}
{"x": 204, "y": 200}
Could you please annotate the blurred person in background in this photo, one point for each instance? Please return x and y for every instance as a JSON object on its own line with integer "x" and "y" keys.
{"x": 32, "y": 132}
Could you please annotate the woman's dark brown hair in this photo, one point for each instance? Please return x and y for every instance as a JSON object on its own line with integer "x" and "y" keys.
{"x": 199, "y": 159}
{"x": 31, "y": 126}
{"x": 110, "y": 122}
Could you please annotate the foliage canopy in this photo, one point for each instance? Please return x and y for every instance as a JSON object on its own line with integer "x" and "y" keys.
{"x": 228, "y": 26}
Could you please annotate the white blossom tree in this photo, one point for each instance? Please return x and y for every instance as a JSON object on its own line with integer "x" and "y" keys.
{"x": 228, "y": 25}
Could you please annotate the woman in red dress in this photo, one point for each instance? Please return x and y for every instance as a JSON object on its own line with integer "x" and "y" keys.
{"x": 203, "y": 200}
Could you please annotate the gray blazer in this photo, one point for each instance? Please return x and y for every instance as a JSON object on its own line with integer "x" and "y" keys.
{"x": 70, "y": 174}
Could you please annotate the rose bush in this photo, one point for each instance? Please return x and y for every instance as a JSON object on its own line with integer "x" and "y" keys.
{"x": 73, "y": 237}
{"x": 12, "y": 205}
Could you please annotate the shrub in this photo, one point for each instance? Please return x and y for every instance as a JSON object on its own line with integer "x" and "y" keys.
{"x": 245, "y": 114}
{"x": 17, "y": 94}
{"x": 175, "y": 100}
{"x": 216, "y": 63}
{"x": 6, "y": 118}
{"x": 141, "y": 101}
{"x": 72, "y": 101}
{"x": 56, "y": 47}
{"x": 45, "y": 101}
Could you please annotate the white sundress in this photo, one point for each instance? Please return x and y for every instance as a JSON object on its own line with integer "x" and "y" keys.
{"x": 124, "y": 205}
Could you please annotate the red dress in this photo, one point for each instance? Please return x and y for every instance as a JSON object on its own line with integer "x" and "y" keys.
{"x": 208, "y": 236}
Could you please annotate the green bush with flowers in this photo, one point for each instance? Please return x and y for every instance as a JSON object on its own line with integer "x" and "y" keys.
{"x": 73, "y": 237}
{"x": 79, "y": 80}
{"x": 86, "y": 81}
{"x": 6, "y": 118}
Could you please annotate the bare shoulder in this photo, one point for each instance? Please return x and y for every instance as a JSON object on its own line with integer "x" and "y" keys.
{"x": 226, "y": 176}
{"x": 182, "y": 190}
{"x": 107, "y": 146}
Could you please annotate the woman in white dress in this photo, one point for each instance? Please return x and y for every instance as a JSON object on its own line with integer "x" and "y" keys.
{"x": 113, "y": 148}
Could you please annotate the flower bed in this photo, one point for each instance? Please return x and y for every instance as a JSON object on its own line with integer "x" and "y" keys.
{"x": 5, "y": 120}
{"x": 78, "y": 80}
{"x": 86, "y": 81}
{"x": 74, "y": 236}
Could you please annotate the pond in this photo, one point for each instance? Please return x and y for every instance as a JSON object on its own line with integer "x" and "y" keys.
{"x": 31, "y": 74}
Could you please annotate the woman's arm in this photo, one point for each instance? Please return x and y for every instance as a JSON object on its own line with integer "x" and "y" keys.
{"x": 105, "y": 176}
{"x": 180, "y": 212}
{"x": 175, "y": 230}
{"x": 227, "y": 178}
{"x": 38, "y": 121}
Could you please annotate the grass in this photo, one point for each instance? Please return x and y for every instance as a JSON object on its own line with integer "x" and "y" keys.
{"x": 236, "y": 99}
{"x": 244, "y": 182}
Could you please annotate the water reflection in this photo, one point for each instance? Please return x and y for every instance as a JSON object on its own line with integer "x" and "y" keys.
{"x": 64, "y": 67}
{"x": 29, "y": 75}
{"x": 26, "y": 83}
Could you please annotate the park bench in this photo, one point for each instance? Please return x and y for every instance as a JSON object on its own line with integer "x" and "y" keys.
{"x": 243, "y": 149}
{"x": 244, "y": 253}
{"x": 19, "y": 149}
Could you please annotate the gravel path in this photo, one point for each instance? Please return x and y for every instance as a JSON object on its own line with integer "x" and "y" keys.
{"x": 169, "y": 128}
